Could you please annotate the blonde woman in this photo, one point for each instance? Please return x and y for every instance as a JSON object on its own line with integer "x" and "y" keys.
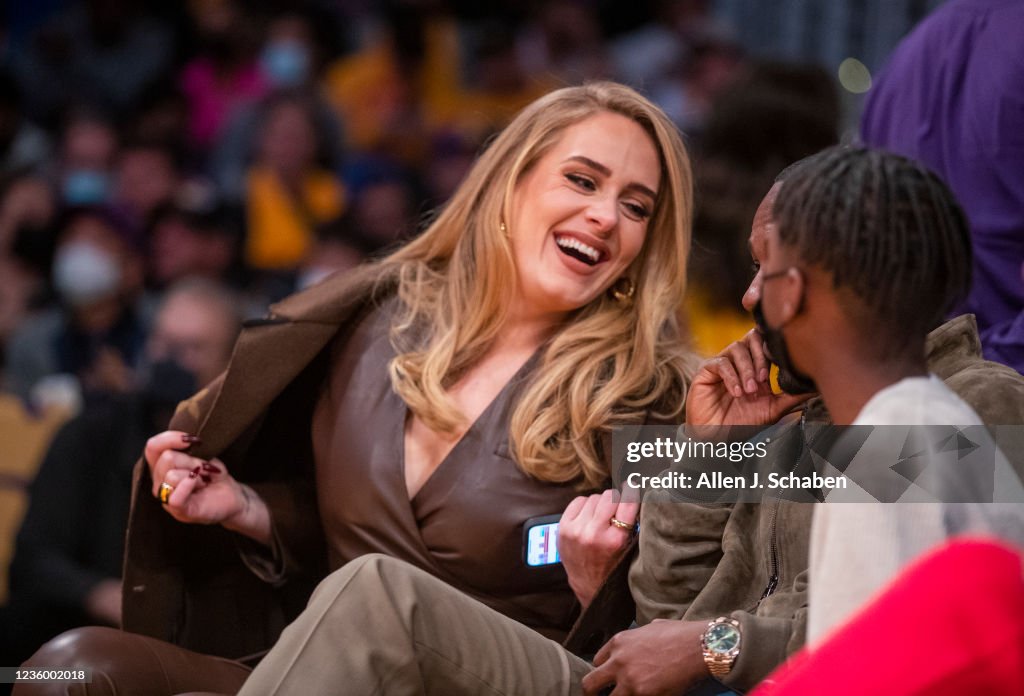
{"x": 427, "y": 405}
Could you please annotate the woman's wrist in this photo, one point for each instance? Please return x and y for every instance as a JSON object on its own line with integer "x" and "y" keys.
{"x": 252, "y": 519}
{"x": 584, "y": 595}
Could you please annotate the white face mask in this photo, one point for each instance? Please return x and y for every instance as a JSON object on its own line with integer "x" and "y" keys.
{"x": 83, "y": 273}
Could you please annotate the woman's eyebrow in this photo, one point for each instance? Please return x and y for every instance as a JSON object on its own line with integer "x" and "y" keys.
{"x": 605, "y": 171}
{"x": 593, "y": 164}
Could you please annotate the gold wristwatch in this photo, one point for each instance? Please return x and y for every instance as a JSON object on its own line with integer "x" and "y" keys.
{"x": 721, "y": 645}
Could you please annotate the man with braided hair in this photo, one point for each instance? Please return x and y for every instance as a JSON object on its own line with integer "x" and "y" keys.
{"x": 894, "y": 245}
{"x": 875, "y": 296}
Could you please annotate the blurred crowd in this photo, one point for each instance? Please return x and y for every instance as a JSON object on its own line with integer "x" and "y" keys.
{"x": 266, "y": 146}
{"x": 169, "y": 169}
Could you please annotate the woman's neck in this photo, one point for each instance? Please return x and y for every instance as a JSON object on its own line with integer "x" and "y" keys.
{"x": 523, "y": 332}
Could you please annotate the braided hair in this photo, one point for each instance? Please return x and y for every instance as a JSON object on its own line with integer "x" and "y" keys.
{"x": 886, "y": 229}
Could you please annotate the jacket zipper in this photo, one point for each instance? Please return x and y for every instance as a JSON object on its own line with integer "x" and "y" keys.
{"x": 773, "y": 576}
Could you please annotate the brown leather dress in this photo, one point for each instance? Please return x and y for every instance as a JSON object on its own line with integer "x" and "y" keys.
{"x": 465, "y": 525}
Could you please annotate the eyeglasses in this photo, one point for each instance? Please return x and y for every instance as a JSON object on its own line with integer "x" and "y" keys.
{"x": 778, "y": 274}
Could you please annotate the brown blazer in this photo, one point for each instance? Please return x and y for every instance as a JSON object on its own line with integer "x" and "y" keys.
{"x": 186, "y": 584}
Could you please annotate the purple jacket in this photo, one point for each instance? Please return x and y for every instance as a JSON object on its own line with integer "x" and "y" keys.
{"x": 952, "y": 97}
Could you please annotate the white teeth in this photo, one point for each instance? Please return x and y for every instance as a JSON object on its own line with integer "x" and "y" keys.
{"x": 573, "y": 243}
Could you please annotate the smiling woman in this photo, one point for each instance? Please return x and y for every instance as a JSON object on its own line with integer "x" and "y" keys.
{"x": 427, "y": 405}
{"x": 596, "y": 166}
{"x": 579, "y": 216}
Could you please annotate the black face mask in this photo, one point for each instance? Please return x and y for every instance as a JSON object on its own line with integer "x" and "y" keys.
{"x": 791, "y": 380}
{"x": 168, "y": 384}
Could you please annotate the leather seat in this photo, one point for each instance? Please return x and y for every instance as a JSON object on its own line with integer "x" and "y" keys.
{"x": 127, "y": 664}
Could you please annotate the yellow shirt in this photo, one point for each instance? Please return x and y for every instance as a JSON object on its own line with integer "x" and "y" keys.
{"x": 369, "y": 92}
{"x": 280, "y": 229}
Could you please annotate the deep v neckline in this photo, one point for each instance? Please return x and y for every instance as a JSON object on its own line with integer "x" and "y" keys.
{"x": 485, "y": 416}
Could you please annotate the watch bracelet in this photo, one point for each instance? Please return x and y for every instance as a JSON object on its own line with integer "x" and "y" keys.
{"x": 718, "y": 665}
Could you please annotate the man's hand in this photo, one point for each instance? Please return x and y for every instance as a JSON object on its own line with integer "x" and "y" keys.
{"x": 661, "y": 658}
{"x": 733, "y": 389}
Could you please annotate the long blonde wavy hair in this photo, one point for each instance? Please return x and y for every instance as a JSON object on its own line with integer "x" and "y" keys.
{"x": 611, "y": 363}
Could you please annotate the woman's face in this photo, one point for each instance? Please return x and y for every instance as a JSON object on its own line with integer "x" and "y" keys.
{"x": 580, "y": 214}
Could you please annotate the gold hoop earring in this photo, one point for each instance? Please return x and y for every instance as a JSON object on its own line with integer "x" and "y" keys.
{"x": 622, "y": 290}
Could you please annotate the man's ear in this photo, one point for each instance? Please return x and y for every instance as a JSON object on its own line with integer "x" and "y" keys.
{"x": 793, "y": 300}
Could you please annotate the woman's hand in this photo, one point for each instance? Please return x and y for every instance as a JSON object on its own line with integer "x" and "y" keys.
{"x": 203, "y": 492}
{"x": 733, "y": 388}
{"x": 589, "y": 544}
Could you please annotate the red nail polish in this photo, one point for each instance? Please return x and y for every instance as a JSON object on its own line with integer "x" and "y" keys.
{"x": 194, "y": 472}
{"x": 207, "y": 466}
{"x": 206, "y": 478}
{"x": 191, "y": 439}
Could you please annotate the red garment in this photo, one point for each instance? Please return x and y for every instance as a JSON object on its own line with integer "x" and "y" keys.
{"x": 951, "y": 623}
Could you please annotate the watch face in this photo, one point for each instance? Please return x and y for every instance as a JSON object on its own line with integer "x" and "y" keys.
{"x": 721, "y": 638}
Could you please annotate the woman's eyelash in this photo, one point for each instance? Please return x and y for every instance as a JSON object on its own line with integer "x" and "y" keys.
{"x": 581, "y": 181}
{"x": 640, "y": 211}
{"x": 637, "y": 210}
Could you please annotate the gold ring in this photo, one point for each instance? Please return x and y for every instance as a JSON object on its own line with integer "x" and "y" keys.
{"x": 165, "y": 492}
{"x": 626, "y": 526}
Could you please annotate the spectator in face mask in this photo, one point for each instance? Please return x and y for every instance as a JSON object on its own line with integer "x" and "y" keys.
{"x": 95, "y": 336}
{"x": 87, "y": 151}
{"x": 67, "y": 563}
{"x": 290, "y": 61}
{"x": 288, "y": 55}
